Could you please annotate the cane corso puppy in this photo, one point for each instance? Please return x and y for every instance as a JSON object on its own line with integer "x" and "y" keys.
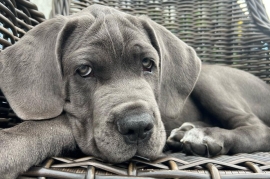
{"x": 112, "y": 85}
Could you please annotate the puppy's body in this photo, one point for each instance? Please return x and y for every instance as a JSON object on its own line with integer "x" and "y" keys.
{"x": 239, "y": 86}
{"x": 109, "y": 82}
{"x": 235, "y": 102}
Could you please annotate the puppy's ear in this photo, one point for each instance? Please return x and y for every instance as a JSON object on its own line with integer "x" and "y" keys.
{"x": 31, "y": 72}
{"x": 179, "y": 68}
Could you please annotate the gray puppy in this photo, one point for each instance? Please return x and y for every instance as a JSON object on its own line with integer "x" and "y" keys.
{"x": 111, "y": 83}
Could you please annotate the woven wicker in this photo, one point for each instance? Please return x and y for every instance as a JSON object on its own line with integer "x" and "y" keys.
{"x": 60, "y": 7}
{"x": 17, "y": 17}
{"x": 258, "y": 12}
{"x": 221, "y": 31}
{"x": 241, "y": 166}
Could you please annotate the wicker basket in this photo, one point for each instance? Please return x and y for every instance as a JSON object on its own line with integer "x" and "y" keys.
{"x": 241, "y": 166}
{"x": 221, "y": 31}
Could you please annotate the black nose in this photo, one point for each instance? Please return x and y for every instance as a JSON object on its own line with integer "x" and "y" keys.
{"x": 136, "y": 128}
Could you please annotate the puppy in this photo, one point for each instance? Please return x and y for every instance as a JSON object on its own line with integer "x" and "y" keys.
{"x": 110, "y": 84}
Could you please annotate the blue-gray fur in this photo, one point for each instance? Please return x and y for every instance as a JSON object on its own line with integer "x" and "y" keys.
{"x": 227, "y": 110}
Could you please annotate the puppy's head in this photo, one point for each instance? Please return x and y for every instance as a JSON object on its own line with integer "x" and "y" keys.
{"x": 114, "y": 76}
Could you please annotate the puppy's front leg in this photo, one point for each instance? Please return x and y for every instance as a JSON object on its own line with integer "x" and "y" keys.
{"x": 211, "y": 141}
{"x": 31, "y": 142}
{"x": 174, "y": 140}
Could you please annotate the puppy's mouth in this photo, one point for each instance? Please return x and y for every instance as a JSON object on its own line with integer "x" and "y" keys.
{"x": 129, "y": 130}
{"x": 119, "y": 147}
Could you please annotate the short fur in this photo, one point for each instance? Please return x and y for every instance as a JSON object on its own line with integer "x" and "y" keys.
{"x": 219, "y": 110}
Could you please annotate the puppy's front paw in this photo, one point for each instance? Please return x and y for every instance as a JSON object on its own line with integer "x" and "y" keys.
{"x": 174, "y": 140}
{"x": 200, "y": 141}
{"x": 203, "y": 141}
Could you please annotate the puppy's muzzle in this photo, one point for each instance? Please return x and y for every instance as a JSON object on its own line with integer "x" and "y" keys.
{"x": 136, "y": 128}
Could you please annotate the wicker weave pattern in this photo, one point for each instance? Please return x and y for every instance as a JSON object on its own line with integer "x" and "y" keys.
{"x": 240, "y": 166}
{"x": 60, "y": 7}
{"x": 221, "y": 31}
{"x": 16, "y": 19}
{"x": 258, "y": 12}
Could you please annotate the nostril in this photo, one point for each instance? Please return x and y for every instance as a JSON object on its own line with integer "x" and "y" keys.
{"x": 148, "y": 128}
{"x": 130, "y": 132}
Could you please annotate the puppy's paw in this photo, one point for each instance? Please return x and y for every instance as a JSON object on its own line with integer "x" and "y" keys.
{"x": 200, "y": 141}
{"x": 203, "y": 141}
{"x": 174, "y": 140}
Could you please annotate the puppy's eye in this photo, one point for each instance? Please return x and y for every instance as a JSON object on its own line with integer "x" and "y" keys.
{"x": 147, "y": 64}
{"x": 85, "y": 71}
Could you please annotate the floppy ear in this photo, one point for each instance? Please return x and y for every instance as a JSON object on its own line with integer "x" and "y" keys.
{"x": 179, "y": 68}
{"x": 31, "y": 75}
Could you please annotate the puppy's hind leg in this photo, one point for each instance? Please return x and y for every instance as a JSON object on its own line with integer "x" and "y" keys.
{"x": 238, "y": 101}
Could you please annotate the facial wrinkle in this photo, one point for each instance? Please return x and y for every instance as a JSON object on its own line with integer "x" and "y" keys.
{"x": 106, "y": 28}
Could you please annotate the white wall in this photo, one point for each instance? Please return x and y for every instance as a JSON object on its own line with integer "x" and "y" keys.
{"x": 45, "y": 6}
{"x": 267, "y": 6}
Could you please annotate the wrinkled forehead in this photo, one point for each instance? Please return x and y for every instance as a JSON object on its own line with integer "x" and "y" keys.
{"x": 114, "y": 33}
{"x": 117, "y": 33}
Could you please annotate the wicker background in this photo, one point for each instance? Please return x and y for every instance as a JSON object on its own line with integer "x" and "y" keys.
{"x": 221, "y": 31}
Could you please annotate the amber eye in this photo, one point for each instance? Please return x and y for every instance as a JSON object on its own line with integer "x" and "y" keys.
{"x": 147, "y": 64}
{"x": 85, "y": 71}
